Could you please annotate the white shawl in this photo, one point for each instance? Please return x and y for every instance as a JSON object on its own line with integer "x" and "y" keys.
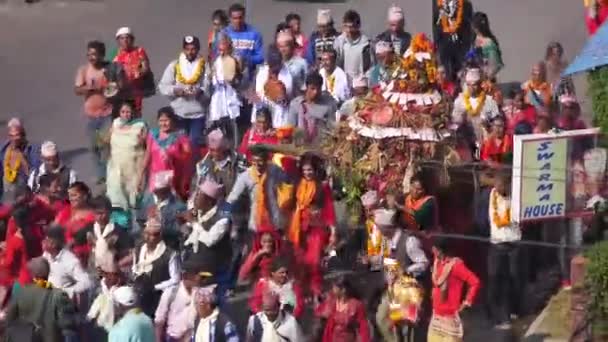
{"x": 102, "y": 310}
{"x": 102, "y": 251}
{"x": 143, "y": 264}
{"x": 197, "y": 228}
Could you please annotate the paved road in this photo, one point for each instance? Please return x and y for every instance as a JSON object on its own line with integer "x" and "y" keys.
{"x": 41, "y": 46}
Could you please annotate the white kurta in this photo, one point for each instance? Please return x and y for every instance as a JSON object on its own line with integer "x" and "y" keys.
{"x": 341, "y": 87}
{"x": 280, "y": 112}
{"x": 225, "y": 100}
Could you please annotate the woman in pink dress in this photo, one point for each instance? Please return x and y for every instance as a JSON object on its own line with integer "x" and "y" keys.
{"x": 169, "y": 149}
{"x": 135, "y": 63}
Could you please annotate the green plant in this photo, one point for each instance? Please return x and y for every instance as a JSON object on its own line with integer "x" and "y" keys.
{"x": 598, "y": 92}
{"x": 596, "y": 282}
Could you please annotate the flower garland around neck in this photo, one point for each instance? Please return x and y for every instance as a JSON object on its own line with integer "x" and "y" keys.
{"x": 500, "y": 221}
{"x": 12, "y": 164}
{"x": 45, "y": 284}
{"x": 451, "y": 25}
{"x": 198, "y": 71}
{"x": 480, "y": 103}
{"x": 542, "y": 87}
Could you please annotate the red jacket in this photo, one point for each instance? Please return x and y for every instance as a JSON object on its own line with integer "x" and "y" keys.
{"x": 459, "y": 276}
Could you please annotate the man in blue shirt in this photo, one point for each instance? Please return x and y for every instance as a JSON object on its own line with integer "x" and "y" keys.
{"x": 246, "y": 40}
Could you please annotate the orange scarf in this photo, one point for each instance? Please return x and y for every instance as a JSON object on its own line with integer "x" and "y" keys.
{"x": 305, "y": 194}
{"x": 416, "y": 204}
{"x": 261, "y": 214}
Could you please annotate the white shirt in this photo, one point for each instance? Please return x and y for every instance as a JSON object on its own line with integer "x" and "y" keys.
{"x": 509, "y": 233}
{"x": 67, "y": 274}
{"x": 284, "y": 328}
{"x": 341, "y": 89}
{"x": 487, "y": 113}
{"x": 176, "y": 309}
{"x": 414, "y": 251}
{"x": 280, "y": 112}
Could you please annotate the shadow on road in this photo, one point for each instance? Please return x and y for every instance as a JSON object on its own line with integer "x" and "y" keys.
{"x": 68, "y": 155}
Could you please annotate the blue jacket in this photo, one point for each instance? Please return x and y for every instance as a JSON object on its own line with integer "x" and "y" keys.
{"x": 31, "y": 153}
{"x": 248, "y": 45}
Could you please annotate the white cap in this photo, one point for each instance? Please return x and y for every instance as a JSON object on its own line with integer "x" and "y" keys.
{"x": 360, "y": 82}
{"x": 395, "y": 13}
{"x": 48, "y": 149}
{"x": 162, "y": 179}
{"x": 14, "y": 123}
{"x": 369, "y": 199}
{"x": 324, "y": 17}
{"x": 473, "y": 75}
{"x": 384, "y": 217}
{"x": 125, "y": 296}
{"x": 383, "y": 47}
{"x": 123, "y": 30}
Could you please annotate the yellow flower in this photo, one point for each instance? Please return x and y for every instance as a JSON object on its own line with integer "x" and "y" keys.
{"x": 179, "y": 77}
{"x": 480, "y": 103}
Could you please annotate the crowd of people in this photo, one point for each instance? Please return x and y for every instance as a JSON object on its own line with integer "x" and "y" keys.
{"x": 197, "y": 202}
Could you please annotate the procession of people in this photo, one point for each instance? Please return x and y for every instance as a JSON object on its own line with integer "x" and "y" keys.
{"x": 228, "y": 184}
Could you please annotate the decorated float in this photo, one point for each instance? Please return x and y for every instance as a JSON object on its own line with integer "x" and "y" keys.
{"x": 400, "y": 123}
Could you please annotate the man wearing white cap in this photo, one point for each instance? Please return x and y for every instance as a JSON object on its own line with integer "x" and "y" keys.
{"x": 473, "y": 108}
{"x": 102, "y": 313}
{"x": 407, "y": 250}
{"x": 184, "y": 82}
{"x": 405, "y": 247}
{"x": 322, "y": 39}
{"x": 210, "y": 236}
{"x": 295, "y": 64}
{"x": 164, "y": 204}
{"x": 136, "y": 66}
{"x": 155, "y": 266}
{"x": 335, "y": 81}
{"x": 51, "y": 164}
{"x": 133, "y": 324}
{"x": 383, "y": 70}
{"x": 220, "y": 163}
{"x": 396, "y": 33}
{"x": 18, "y": 158}
{"x": 360, "y": 89}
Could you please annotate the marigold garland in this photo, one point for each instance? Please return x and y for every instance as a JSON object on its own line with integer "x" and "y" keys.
{"x": 45, "y": 284}
{"x": 467, "y": 103}
{"x": 11, "y": 170}
{"x": 451, "y": 26}
{"x": 542, "y": 87}
{"x": 198, "y": 71}
{"x": 499, "y": 221}
{"x": 420, "y": 44}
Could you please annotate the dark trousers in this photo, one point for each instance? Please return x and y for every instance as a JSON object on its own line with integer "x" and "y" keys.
{"x": 451, "y": 55}
{"x": 504, "y": 281}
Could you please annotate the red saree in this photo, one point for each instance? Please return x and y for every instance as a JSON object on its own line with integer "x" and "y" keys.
{"x": 347, "y": 324}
